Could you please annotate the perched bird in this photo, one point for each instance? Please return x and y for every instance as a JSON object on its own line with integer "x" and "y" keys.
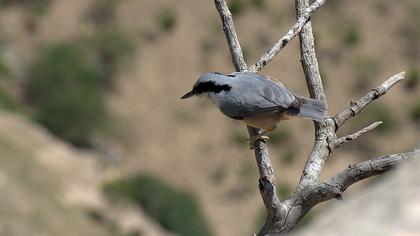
{"x": 255, "y": 99}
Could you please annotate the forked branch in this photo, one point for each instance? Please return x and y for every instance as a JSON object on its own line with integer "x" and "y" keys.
{"x": 337, "y": 184}
{"x": 356, "y": 107}
{"x": 340, "y": 141}
{"x": 282, "y": 216}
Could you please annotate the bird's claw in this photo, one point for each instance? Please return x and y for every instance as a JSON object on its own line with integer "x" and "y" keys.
{"x": 254, "y": 139}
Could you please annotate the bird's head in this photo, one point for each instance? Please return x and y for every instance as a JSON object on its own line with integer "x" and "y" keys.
{"x": 212, "y": 82}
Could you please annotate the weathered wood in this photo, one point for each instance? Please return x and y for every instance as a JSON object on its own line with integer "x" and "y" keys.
{"x": 357, "y": 107}
{"x": 320, "y": 151}
{"x": 340, "y": 141}
{"x": 283, "y": 216}
{"x": 267, "y": 184}
{"x": 231, "y": 36}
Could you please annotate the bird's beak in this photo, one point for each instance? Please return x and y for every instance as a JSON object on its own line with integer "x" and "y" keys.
{"x": 188, "y": 95}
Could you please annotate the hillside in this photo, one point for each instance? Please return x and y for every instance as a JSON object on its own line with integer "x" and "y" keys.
{"x": 49, "y": 188}
{"x": 189, "y": 144}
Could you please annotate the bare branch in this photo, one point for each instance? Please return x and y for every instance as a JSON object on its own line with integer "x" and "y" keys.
{"x": 231, "y": 37}
{"x": 356, "y": 107}
{"x": 291, "y": 33}
{"x": 340, "y": 141}
{"x": 320, "y": 151}
{"x": 354, "y": 173}
{"x": 267, "y": 184}
{"x": 283, "y": 216}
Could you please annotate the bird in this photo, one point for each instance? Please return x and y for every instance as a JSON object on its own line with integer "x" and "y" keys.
{"x": 257, "y": 100}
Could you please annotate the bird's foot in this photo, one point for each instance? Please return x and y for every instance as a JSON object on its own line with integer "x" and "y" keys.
{"x": 254, "y": 139}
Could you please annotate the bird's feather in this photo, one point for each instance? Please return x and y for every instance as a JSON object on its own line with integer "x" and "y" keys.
{"x": 253, "y": 94}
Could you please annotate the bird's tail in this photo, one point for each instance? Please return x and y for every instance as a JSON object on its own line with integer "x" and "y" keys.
{"x": 312, "y": 108}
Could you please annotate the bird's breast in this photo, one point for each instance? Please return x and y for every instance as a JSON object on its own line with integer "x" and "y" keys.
{"x": 265, "y": 121}
{"x": 214, "y": 98}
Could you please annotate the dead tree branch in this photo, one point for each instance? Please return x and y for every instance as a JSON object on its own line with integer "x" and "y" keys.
{"x": 340, "y": 141}
{"x": 282, "y": 216}
{"x": 320, "y": 151}
{"x": 355, "y": 173}
{"x": 231, "y": 36}
{"x": 267, "y": 184}
{"x": 356, "y": 107}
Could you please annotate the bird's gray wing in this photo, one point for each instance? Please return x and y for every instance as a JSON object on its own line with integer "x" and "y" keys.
{"x": 256, "y": 95}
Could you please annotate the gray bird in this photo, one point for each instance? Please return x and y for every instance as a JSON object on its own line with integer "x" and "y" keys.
{"x": 256, "y": 100}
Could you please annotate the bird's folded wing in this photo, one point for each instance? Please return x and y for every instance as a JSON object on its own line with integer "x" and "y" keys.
{"x": 258, "y": 95}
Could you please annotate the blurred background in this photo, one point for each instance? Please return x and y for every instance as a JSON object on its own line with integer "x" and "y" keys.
{"x": 94, "y": 139}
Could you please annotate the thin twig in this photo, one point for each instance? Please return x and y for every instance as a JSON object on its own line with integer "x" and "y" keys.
{"x": 356, "y": 107}
{"x": 291, "y": 33}
{"x": 340, "y": 141}
{"x": 231, "y": 36}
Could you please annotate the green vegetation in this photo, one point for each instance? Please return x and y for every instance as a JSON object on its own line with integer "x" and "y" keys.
{"x": 414, "y": 112}
{"x": 246, "y": 52}
{"x": 351, "y": 36}
{"x": 6, "y": 2}
{"x": 247, "y": 172}
{"x": 112, "y": 45}
{"x": 366, "y": 68}
{"x": 384, "y": 114}
{"x": 283, "y": 191}
{"x": 288, "y": 157}
{"x": 102, "y": 12}
{"x": 4, "y": 69}
{"x": 324, "y": 77}
{"x": 177, "y": 211}
{"x": 64, "y": 88}
{"x": 308, "y": 218}
{"x": 280, "y": 135}
{"x": 347, "y": 32}
{"x": 239, "y": 137}
{"x": 259, "y": 4}
{"x": 237, "y": 6}
{"x": 409, "y": 31}
{"x": 37, "y": 7}
{"x": 261, "y": 218}
{"x": 7, "y": 102}
{"x": 276, "y": 19}
{"x": 413, "y": 79}
{"x": 167, "y": 19}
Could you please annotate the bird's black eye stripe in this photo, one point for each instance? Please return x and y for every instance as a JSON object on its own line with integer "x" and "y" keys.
{"x": 210, "y": 86}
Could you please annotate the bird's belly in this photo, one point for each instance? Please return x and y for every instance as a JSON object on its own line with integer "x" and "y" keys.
{"x": 265, "y": 121}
